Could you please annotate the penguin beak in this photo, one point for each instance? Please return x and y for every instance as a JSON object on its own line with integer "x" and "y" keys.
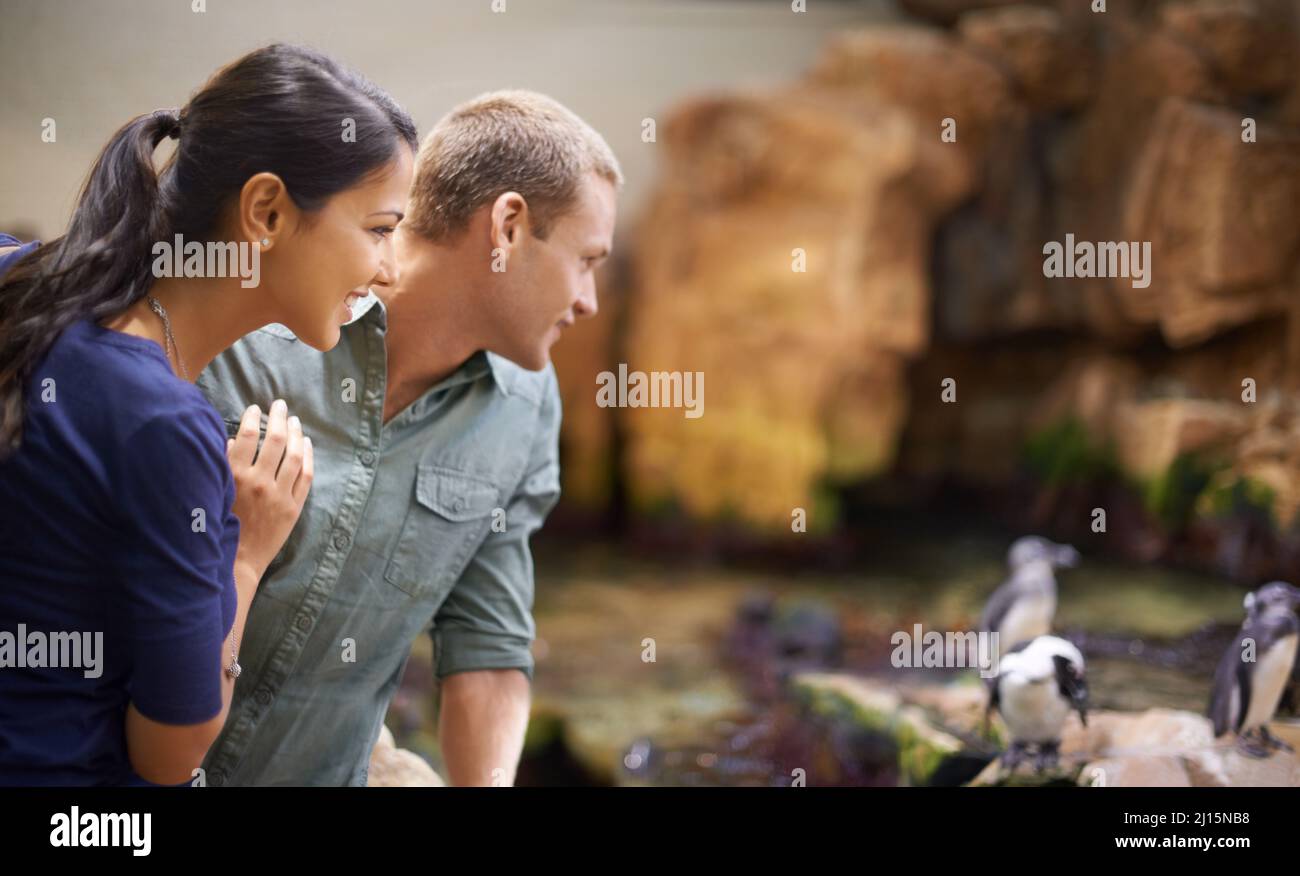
{"x": 1066, "y": 556}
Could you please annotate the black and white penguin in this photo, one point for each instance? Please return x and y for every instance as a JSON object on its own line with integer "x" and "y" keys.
{"x": 1024, "y": 606}
{"x": 1038, "y": 684}
{"x": 1256, "y": 669}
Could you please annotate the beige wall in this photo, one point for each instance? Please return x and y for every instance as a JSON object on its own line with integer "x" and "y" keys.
{"x": 92, "y": 64}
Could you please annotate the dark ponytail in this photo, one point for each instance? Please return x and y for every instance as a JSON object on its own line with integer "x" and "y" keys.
{"x": 279, "y": 109}
{"x": 84, "y": 272}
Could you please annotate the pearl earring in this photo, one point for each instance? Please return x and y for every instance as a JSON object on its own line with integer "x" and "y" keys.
{"x": 266, "y": 241}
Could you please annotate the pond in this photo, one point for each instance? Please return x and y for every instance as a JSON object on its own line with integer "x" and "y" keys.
{"x": 656, "y": 670}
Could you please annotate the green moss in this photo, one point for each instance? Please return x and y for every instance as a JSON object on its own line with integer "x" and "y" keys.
{"x": 1064, "y": 453}
{"x": 1240, "y": 496}
{"x": 659, "y": 506}
{"x": 544, "y": 728}
{"x": 1024, "y": 777}
{"x": 1170, "y": 497}
{"x": 824, "y": 516}
{"x": 728, "y": 514}
{"x": 833, "y": 706}
{"x": 921, "y": 748}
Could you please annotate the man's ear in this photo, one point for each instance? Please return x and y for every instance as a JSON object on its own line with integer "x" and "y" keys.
{"x": 509, "y": 220}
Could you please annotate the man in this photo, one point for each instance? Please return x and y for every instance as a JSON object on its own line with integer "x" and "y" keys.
{"x": 435, "y": 425}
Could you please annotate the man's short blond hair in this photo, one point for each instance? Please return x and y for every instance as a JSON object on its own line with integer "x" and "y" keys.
{"x": 499, "y": 142}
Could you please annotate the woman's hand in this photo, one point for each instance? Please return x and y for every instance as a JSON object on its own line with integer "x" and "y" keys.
{"x": 271, "y": 484}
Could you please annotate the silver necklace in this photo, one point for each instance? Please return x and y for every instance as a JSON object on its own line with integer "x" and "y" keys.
{"x": 172, "y": 349}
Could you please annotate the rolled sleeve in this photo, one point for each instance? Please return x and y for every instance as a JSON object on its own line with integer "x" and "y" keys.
{"x": 486, "y": 621}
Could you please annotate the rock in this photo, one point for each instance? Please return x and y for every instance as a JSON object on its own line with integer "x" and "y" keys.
{"x": 1151, "y": 435}
{"x": 948, "y": 11}
{"x": 773, "y": 209}
{"x": 1052, "y": 69}
{"x": 1221, "y": 216}
{"x": 923, "y": 749}
{"x": 959, "y": 705}
{"x": 1160, "y": 771}
{"x": 392, "y": 767}
{"x": 1177, "y": 747}
{"x": 1089, "y": 392}
{"x": 1167, "y": 730}
{"x": 1258, "y": 443}
{"x": 995, "y": 775}
{"x": 1091, "y": 162}
{"x": 1158, "y": 748}
{"x": 988, "y": 273}
{"x": 863, "y": 428}
{"x": 871, "y": 705}
{"x": 923, "y": 260}
{"x": 933, "y": 726}
{"x": 932, "y": 77}
{"x": 1287, "y": 731}
{"x": 1250, "y": 45}
{"x": 1227, "y": 767}
{"x": 981, "y": 438}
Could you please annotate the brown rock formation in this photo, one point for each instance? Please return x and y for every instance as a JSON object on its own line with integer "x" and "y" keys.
{"x": 1221, "y": 217}
{"x": 827, "y": 254}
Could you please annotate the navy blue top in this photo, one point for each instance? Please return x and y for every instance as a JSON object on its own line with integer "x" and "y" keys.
{"x": 115, "y": 519}
{"x": 9, "y": 258}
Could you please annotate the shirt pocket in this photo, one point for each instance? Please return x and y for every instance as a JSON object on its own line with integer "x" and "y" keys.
{"x": 443, "y": 528}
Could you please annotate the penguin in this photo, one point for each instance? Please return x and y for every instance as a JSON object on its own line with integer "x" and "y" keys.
{"x": 1291, "y": 697}
{"x": 1024, "y": 606}
{"x": 1038, "y": 684}
{"x": 1246, "y": 692}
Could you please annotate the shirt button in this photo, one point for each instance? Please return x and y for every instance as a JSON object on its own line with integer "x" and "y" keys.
{"x": 304, "y": 622}
{"x": 342, "y": 540}
{"x": 458, "y": 505}
{"x": 367, "y": 458}
{"x": 263, "y": 696}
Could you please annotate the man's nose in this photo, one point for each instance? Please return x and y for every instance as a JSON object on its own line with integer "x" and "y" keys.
{"x": 586, "y": 305}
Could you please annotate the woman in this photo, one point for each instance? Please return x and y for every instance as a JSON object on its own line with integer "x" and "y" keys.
{"x": 132, "y": 534}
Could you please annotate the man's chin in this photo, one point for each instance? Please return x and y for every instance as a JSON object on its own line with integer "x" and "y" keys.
{"x": 539, "y": 362}
{"x": 533, "y": 360}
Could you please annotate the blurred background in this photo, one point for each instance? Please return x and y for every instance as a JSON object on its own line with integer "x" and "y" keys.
{"x": 838, "y": 216}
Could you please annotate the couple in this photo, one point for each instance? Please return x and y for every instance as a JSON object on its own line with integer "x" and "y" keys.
{"x": 409, "y": 295}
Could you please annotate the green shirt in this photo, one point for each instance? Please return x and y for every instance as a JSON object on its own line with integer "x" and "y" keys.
{"x": 419, "y": 525}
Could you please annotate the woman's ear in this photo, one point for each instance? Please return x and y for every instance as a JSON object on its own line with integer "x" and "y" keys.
{"x": 264, "y": 205}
